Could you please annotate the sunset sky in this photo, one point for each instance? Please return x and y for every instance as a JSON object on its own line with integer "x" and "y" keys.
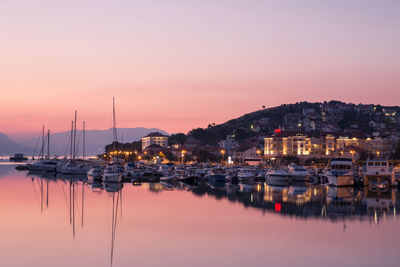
{"x": 176, "y": 65}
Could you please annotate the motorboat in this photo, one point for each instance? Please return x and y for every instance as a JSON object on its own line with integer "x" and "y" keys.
{"x": 340, "y": 172}
{"x": 278, "y": 176}
{"x": 113, "y": 173}
{"x": 169, "y": 177}
{"x": 377, "y": 170}
{"x": 245, "y": 175}
{"x": 298, "y": 173}
{"x": 95, "y": 173}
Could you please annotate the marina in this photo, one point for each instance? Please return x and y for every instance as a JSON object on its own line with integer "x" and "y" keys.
{"x": 199, "y": 133}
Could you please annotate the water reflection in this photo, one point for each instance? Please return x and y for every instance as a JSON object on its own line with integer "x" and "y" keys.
{"x": 310, "y": 203}
{"x": 300, "y": 199}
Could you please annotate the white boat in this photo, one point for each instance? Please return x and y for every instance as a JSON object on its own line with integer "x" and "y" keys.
{"x": 113, "y": 173}
{"x": 340, "y": 172}
{"x": 170, "y": 177}
{"x": 130, "y": 170}
{"x": 72, "y": 167}
{"x": 95, "y": 173}
{"x": 245, "y": 175}
{"x": 298, "y": 173}
{"x": 377, "y": 171}
{"x": 277, "y": 176}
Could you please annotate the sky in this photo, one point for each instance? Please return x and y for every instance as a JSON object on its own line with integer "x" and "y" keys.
{"x": 178, "y": 65}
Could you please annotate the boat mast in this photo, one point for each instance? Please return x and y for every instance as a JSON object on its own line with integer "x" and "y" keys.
{"x": 42, "y": 150}
{"x": 115, "y": 136}
{"x": 48, "y": 144}
{"x": 73, "y": 157}
{"x": 72, "y": 139}
{"x": 83, "y": 149}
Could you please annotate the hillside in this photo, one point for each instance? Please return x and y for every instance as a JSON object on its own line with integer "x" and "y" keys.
{"x": 333, "y": 116}
{"x": 8, "y": 146}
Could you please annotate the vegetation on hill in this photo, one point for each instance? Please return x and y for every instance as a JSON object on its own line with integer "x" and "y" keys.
{"x": 347, "y": 116}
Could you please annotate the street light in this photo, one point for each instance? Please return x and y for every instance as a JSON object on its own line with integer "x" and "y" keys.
{"x": 223, "y": 156}
{"x": 182, "y": 155}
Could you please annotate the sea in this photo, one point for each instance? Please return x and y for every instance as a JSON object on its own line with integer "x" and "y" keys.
{"x": 50, "y": 220}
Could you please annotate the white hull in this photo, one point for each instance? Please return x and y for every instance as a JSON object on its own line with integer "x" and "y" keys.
{"x": 169, "y": 178}
{"x": 112, "y": 177}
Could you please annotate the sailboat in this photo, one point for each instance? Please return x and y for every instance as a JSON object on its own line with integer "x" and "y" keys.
{"x": 114, "y": 170}
{"x": 73, "y": 166}
{"x": 45, "y": 164}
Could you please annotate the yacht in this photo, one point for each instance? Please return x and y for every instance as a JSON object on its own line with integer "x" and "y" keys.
{"x": 72, "y": 167}
{"x": 377, "y": 171}
{"x": 130, "y": 168}
{"x": 298, "y": 173}
{"x": 95, "y": 173}
{"x": 340, "y": 172}
{"x": 245, "y": 174}
{"x": 113, "y": 173}
{"x": 278, "y": 176}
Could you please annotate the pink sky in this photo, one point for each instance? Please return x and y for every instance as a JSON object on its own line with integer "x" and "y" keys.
{"x": 176, "y": 65}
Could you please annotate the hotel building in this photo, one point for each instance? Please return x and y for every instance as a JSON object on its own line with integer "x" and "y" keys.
{"x": 155, "y": 138}
{"x": 315, "y": 144}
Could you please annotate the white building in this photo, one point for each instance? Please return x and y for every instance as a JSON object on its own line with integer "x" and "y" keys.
{"x": 155, "y": 138}
{"x": 247, "y": 155}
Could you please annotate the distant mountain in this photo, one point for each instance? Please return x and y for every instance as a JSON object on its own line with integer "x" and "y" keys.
{"x": 95, "y": 140}
{"x": 8, "y": 146}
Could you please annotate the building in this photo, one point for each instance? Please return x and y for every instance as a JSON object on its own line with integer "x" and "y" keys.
{"x": 314, "y": 144}
{"x": 228, "y": 144}
{"x": 247, "y": 155}
{"x": 154, "y": 138}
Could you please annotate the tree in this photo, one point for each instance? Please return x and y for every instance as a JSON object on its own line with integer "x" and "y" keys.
{"x": 178, "y": 138}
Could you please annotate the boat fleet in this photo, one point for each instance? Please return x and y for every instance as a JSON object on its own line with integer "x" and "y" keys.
{"x": 339, "y": 172}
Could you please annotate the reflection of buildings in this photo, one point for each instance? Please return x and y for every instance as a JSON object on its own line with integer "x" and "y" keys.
{"x": 379, "y": 203}
{"x": 304, "y": 201}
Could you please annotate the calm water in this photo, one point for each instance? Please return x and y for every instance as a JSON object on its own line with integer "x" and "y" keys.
{"x": 67, "y": 222}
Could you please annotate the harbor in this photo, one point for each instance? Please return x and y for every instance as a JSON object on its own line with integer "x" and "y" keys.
{"x": 199, "y": 133}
